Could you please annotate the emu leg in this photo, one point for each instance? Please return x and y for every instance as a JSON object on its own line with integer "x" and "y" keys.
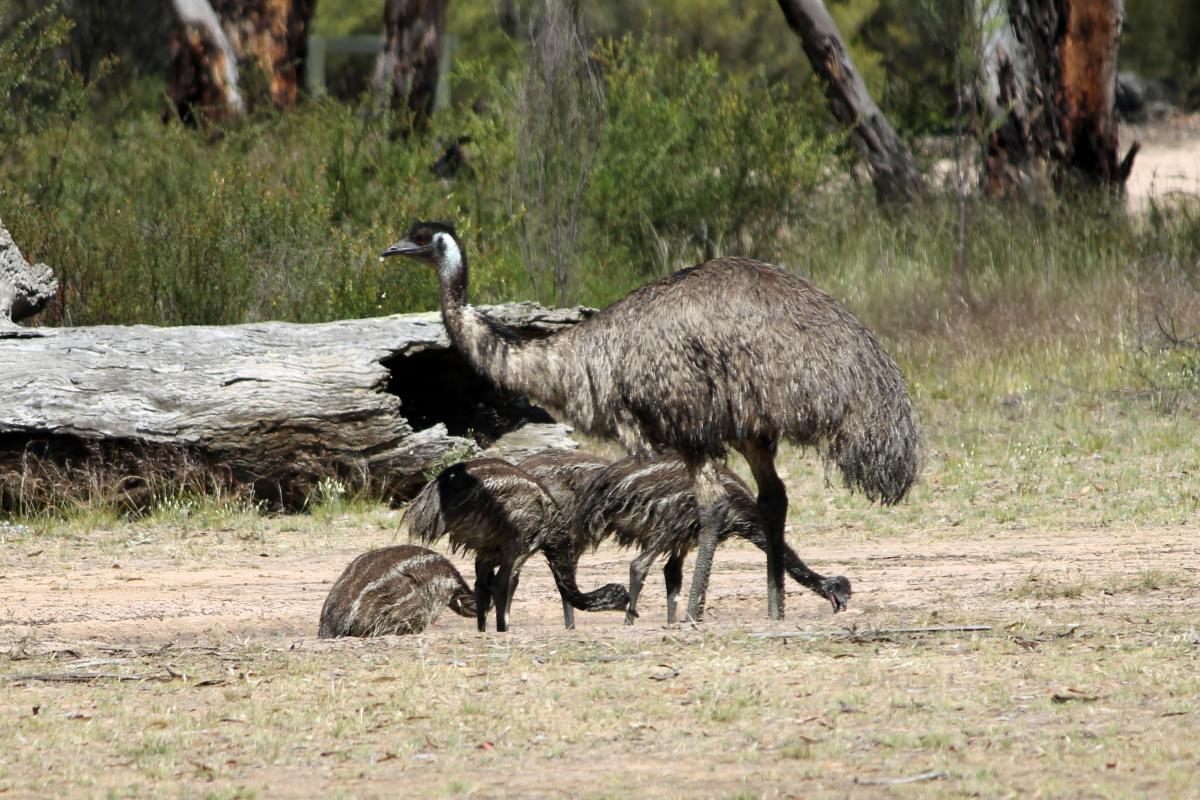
{"x": 503, "y": 588}
{"x": 708, "y": 488}
{"x": 673, "y": 575}
{"x": 704, "y": 560}
{"x": 516, "y": 580}
{"x": 483, "y": 592}
{"x": 568, "y": 614}
{"x": 772, "y": 503}
{"x": 638, "y": 569}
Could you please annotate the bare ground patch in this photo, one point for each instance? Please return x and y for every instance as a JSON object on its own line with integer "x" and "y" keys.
{"x": 1084, "y": 685}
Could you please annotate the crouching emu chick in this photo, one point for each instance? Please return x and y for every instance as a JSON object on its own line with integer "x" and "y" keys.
{"x": 503, "y": 515}
{"x": 651, "y": 504}
{"x": 400, "y": 589}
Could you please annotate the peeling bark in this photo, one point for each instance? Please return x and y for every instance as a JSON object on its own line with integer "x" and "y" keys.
{"x": 272, "y": 406}
{"x": 407, "y": 67}
{"x": 203, "y": 76}
{"x": 893, "y": 170}
{"x": 1048, "y": 81}
{"x": 220, "y": 44}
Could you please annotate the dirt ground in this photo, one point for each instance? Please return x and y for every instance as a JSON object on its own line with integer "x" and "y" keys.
{"x": 212, "y": 684}
{"x": 1168, "y": 164}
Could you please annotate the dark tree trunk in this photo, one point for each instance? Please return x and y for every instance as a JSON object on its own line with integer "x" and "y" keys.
{"x": 407, "y": 67}
{"x": 273, "y": 406}
{"x": 893, "y": 170}
{"x": 228, "y": 49}
{"x": 1048, "y": 83}
{"x": 203, "y": 76}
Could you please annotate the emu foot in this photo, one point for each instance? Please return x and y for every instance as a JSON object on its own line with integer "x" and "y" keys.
{"x": 837, "y": 591}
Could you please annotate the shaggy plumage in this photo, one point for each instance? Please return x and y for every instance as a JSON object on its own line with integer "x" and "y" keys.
{"x": 730, "y": 353}
{"x": 503, "y": 515}
{"x": 564, "y": 474}
{"x": 400, "y": 589}
{"x": 651, "y": 505}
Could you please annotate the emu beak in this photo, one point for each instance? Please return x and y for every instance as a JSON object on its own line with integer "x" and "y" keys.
{"x": 404, "y": 247}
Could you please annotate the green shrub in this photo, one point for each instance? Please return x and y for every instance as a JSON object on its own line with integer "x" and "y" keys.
{"x": 281, "y": 217}
{"x": 698, "y": 161}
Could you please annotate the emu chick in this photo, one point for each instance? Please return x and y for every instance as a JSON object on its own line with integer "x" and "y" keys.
{"x": 400, "y": 589}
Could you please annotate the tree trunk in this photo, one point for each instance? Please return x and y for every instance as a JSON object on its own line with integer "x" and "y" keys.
{"x": 407, "y": 67}
{"x": 25, "y": 288}
{"x": 203, "y": 76}
{"x": 1048, "y": 83}
{"x": 221, "y": 44}
{"x": 276, "y": 407}
{"x": 893, "y": 170}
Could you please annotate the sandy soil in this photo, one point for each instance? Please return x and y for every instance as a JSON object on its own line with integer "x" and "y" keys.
{"x": 1168, "y": 163}
{"x": 1101, "y": 616}
{"x": 266, "y": 598}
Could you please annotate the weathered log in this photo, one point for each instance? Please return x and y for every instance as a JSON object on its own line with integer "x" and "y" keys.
{"x": 25, "y": 288}
{"x": 893, "y": 170}
{"x": 375, "y": 403}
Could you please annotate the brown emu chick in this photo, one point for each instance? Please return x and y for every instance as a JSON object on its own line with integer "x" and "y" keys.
{"x": 503, "y": 515}
{"x": 651, "y": 505}
{"x": 400, "y": 589}
{"x": 564, "y": 473}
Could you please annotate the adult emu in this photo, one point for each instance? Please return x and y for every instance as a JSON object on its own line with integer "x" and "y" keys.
{"x": 651, "y": 505}
{"x": 503, "y": 515}
{"x": 730, "y": 353}
{"x": 399, "y": 589}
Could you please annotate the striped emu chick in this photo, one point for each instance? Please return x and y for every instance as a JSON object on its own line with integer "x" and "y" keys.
{"x": 400, "y": 589}
{"x": 503, "y": 515}
{"x": 564, "y": 473}
{"x": 651, "y": 505}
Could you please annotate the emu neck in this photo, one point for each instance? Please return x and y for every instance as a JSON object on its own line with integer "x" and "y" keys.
{"x": 514, "y": 364}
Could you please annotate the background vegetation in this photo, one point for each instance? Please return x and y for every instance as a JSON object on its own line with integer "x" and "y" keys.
{"x": 709, "y": 136}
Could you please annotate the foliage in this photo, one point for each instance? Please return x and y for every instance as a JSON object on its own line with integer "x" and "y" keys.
{"x": 559, "y": 121}
{"x": 37, "y": 87}
{"x": 696, "y": 161}
{"x": 1159, "y": 41}
{"x": 151, "y": 223}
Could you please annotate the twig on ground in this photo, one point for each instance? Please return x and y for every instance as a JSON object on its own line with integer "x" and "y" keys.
{"x": 934, "y": 775}
{"x": 871, "y": 632}
{"x": 78, "y": 677}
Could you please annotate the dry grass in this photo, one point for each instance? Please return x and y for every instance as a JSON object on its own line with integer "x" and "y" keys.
{"x": 1070, "y": 693}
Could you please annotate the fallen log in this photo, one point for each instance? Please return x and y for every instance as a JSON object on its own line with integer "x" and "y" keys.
{"x": 273, "y": 407}
{"x": 24, "y": 288}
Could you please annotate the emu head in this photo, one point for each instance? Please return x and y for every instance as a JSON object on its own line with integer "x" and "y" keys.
{"x": 837, "y": 591}
{"x": 610, "y": 597}
{"x": 434, "y": 243}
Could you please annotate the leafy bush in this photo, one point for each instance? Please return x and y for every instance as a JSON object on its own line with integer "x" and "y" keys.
{"x": 282, "y": 217}
{"x": 696, "y": 161}
{"x": 36, "y": 86}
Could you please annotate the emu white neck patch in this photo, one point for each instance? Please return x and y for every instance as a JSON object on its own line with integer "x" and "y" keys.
{"x": 450, "y": 259}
